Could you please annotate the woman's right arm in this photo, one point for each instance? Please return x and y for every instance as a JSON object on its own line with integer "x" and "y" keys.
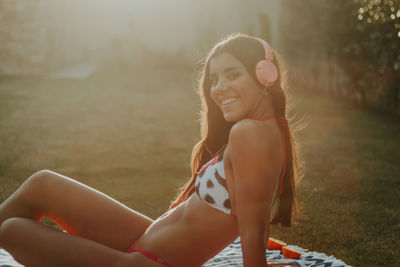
{"x": 253, "y": 178}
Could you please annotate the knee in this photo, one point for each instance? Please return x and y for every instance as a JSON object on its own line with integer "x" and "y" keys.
{"x": 38, "y": 180}
{"x": 41, "y": 176}
{"x": 12, "y": 231}
{"x": 8, "y": 229}
{"x": 36, "y": 185}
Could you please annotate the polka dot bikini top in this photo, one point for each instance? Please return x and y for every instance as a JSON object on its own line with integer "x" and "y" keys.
{"x": 211, "y": 185}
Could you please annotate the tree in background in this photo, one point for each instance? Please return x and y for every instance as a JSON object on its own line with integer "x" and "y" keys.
{"x": 379, "y": 45}
{"x": 346, "y": 48}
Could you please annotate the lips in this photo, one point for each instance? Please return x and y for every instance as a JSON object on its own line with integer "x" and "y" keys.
{"x": 229, "y": 100}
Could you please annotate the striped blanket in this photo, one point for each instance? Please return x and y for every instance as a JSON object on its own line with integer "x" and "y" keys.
{"x": 232, "y": 256}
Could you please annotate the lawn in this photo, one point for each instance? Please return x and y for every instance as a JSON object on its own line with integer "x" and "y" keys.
{"x": 129, "y": 131}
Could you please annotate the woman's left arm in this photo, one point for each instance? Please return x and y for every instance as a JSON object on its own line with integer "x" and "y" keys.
{"x": 251, "y": 159}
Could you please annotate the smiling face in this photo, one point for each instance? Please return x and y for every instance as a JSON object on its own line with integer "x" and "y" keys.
{"x": 232, "y": 88}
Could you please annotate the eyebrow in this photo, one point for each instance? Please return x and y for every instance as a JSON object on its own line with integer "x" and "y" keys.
{"x": 228, "y": 70}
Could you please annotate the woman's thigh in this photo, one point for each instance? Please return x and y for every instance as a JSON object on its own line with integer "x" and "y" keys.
{"x": 34, "y": 244}
{"x": 79, "y": 209}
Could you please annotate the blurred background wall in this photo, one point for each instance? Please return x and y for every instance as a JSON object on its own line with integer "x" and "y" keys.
{"x": 347, "y": 49}
{"x": 43, "y": 35}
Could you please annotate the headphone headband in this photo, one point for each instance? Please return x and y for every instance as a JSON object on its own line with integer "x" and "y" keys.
{"x": 268, "y": 50}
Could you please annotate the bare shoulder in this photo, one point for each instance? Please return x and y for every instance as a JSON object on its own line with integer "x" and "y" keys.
{"x": 244, "y": 127}
{"x": 253, "y": 137}
{"x": 254, "y": 152}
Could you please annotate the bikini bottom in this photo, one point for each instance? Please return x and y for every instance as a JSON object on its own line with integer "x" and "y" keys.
{"x": 148, "y": 254}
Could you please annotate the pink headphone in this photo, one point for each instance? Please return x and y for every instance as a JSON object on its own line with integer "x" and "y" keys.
{"x": 266, "y": 71}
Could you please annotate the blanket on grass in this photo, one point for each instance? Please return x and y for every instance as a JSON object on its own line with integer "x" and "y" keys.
{"x": 232, "y": 256}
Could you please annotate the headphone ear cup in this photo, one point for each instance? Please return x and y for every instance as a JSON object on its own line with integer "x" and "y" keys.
{"x": 266, "y": 72}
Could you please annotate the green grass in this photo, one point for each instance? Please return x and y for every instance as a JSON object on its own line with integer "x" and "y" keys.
{"x": 129, "y": 132}
{"x": 349, "y": 197}
{"x": 120, "y": 132}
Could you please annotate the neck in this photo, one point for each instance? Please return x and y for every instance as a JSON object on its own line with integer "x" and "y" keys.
{"x": 262, "y": 109}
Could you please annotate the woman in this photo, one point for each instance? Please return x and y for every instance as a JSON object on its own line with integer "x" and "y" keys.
{"x": 243, "y": 174}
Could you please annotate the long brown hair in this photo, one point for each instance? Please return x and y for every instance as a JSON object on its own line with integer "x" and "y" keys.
{"x": 215, "y": 130}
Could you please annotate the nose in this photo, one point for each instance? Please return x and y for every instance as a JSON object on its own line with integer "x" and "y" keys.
{"x": 222, "y": 85}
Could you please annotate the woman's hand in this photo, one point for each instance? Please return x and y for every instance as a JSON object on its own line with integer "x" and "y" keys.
{"x": 281, "y": 264}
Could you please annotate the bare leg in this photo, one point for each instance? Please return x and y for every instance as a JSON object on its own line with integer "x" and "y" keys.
{"x": 79, "y": 209}
{"x": 34, "y": 244}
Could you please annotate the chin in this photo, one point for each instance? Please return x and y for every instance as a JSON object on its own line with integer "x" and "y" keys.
{"x": 232, "y": 117}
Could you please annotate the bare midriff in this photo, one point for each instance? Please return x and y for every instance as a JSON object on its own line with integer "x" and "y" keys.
{"x": 189, "y": 234}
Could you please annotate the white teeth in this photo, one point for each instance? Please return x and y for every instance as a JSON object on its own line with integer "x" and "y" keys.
{"x": 228, "y": 101}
